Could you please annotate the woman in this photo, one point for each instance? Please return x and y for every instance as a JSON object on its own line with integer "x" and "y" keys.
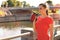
{"x": 43, "y": 24}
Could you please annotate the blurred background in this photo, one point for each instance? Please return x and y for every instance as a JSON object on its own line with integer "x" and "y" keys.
{"x": 15, "y": 18}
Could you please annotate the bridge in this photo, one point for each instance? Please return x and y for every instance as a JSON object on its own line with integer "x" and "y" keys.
{"x": 15, "y": 14}
{"x": 14, "y": 19}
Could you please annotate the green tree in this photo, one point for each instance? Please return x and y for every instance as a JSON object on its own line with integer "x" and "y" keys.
{"x": 10, "y": 3}
{"x": 4, "y": 4}
{"x": 15, "y": 3}
{"x": 24, "y": 3}
{"x": 18, "y": 4}
{"x": 49, "y": 2}
{"x": 27, "y": 5}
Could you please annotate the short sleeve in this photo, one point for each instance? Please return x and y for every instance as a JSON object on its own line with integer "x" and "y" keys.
{"x": 50, "y": 20}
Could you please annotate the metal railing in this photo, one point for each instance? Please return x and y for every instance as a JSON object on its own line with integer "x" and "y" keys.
{"x": 24, "y": 34}
{"x": 15, "y": 36}
{"x": 56, "y": 29}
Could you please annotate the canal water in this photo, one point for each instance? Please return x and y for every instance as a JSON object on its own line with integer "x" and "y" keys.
{"x": 13, "y": 28}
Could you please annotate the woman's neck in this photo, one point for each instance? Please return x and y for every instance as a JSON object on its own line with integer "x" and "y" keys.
{"x": 44, "y": 15}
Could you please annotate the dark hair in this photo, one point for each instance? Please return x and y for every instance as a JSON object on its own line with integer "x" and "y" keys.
{"x": 44, "y": 7}
{"x": 47, "y": 12}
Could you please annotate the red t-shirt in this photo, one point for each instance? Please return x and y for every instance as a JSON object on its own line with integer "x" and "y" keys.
{"x": 42, "y": 27}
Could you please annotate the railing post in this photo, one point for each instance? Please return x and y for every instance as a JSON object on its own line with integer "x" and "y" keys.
{"x": 29, "y": 37}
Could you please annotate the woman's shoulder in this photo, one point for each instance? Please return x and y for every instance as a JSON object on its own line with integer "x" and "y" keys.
{"x": 50, "y": 18}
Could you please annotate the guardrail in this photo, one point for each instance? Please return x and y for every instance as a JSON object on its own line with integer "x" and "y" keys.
{"x": 15, "y": 36}
{"x": 56, "y": 29}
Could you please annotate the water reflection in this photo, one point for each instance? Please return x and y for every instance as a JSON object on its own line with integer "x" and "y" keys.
{"x": 5, "y": 32}
{"x": 13, "y": 28}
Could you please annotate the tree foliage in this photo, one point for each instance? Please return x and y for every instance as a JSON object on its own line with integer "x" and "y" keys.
{"x": 15, "y": 3}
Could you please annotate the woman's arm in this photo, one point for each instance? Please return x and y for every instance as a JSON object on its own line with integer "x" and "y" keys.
{"x": 34, "y": 24}
{"x": 51, "y": 31}
{"x": 34, "y": 30}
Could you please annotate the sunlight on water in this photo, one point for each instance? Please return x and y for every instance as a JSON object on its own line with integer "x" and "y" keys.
{"x": 6, "y": 32}
{"x": 13, "y": 28}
